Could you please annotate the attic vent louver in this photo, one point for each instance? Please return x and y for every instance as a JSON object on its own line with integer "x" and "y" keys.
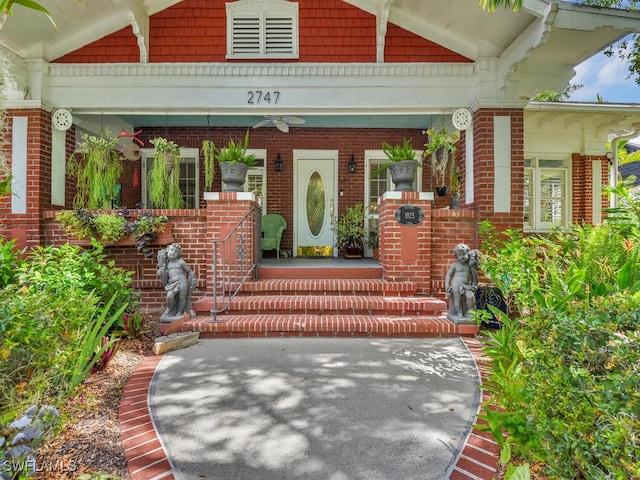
{"x": 262, "y": 29}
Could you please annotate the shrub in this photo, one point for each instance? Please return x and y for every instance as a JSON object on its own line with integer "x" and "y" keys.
{"x": 69, "y": 267}
{"x": 9, "y": 262}
{"x": 39, "y": 337}
{"x": 564, "y": 375}
{"x": 60, "y": 295}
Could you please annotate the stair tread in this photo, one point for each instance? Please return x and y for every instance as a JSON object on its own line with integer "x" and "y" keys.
{"x": 319, "y": 285}
{"x": 258, "y": 302}
{"x": 318, "y": 325}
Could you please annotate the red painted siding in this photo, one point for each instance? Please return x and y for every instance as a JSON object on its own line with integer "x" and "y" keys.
{"x": 329, "y": 31}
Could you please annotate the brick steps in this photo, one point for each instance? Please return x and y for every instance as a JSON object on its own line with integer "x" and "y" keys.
{"x": 261, "y": 325}
{"x": 324, "y": 286}
{"x": 326, "y": 305}
{"x": 355, "y": 270}
{"x": 334, "y": 306}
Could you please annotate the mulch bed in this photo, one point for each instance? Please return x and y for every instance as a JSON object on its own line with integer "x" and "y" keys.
{"x": 88, "y": 439}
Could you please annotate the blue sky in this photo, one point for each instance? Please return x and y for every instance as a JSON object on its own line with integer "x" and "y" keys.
{"x": 606, "y": 76}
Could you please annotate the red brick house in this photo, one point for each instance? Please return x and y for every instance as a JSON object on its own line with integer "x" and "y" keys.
{"x": 356, "y": 72}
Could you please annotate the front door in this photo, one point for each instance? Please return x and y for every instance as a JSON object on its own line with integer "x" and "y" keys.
{"x": 315, "y": 202}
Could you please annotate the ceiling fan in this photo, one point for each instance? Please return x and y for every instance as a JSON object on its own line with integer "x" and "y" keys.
{"x": 280, "y": 122}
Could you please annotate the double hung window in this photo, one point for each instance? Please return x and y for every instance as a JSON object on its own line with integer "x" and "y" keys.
{"x": 546, "y": 193}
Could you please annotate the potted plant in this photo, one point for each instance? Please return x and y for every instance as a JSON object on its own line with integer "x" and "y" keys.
{"x": 402, "y": 164}
{"x": 351, "y": 233}
{"x": 233, "y": 160}
{"x": 440, "y": 148}
{"x": 164, "y": 177}
{"x": 97, "y": 166}
{"x": 113, "y": 227}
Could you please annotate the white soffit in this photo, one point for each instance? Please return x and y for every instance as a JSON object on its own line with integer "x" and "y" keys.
{"x": 30, "y": 34}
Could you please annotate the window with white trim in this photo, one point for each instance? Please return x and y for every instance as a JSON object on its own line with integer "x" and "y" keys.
{"x": 376, "y": 186}
{"x": 188, "y": 176}
{"x": 546, "y": 193}
{"x": 262, "y": 29}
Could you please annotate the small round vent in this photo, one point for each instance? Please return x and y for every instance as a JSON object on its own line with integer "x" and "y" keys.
{"x": 461, "y": 118}
{"x": 62, "y": 119}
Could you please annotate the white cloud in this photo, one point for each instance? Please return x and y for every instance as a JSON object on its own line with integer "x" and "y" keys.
{"x": 607, "y": 77}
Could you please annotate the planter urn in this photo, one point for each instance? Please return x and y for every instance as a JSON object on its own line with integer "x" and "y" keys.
{"x": 234, "y": 175}
{"x": 403, "y": 174}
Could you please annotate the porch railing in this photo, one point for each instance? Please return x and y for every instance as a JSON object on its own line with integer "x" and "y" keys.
{"x": 235, "y": 260}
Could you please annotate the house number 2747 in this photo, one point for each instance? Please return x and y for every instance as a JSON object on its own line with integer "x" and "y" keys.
{"x": 261, "y": 96}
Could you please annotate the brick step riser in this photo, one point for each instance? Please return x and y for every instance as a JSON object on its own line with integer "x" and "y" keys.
{"x": 322, "y": 293}
{"x": 326, "y": 274}
{"x": 325, "y": 326}
{"x": 319, "y": 311}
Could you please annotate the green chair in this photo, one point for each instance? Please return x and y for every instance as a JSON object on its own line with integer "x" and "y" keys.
{"x": 273, "y": 226}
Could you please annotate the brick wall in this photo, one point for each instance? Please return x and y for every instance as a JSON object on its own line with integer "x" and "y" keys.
{"x": 423, "y": 253}
{"x": 347, "y": 141}
{"x": 582, "y": 186}
{"x": 25, "y": 228}
{"x": 329, "y": 31}
{"x": 449, "y": 228}
{"x": 484, "y": 167}
{"x": 187, "y": 227}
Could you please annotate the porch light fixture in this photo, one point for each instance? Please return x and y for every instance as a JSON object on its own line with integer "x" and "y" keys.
{"x": 352, "y": 165}
{"x": 278, "y": 163}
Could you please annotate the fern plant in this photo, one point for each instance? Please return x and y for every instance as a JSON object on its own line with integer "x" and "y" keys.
{"x": 164, "y": 177}
{"x": 97, "y": 166}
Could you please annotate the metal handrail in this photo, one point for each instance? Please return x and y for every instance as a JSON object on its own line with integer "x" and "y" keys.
{"x": 235, "y": 260}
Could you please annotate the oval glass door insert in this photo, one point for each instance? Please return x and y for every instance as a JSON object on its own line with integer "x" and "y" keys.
{"x": 316, "y": 203}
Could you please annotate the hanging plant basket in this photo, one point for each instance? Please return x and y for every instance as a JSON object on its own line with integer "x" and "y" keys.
{"x": 164, "y": 177}
{"x": 442, "y": 191}
{"x": 97, "y": 166}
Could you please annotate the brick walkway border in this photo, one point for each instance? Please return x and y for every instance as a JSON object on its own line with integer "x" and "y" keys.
{"x": 148, "y": 460}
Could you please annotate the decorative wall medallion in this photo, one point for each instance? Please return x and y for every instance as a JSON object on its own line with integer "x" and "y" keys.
{"x": 461, "y": 118}
{"x": 62, "y": 119}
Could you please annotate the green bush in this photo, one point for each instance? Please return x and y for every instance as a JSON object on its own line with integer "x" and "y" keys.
{"x": 66, "y": 267}
{"x": 564, "y": 374}
{"x": 9, "y": 262}
{"x": 40, "y": 333}
{"x": 60, "y": 295}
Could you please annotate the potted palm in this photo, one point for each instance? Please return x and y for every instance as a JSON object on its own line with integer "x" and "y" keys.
{"x": 97, "y": 166}
{"x": 164, "y": 177}
{"x": 351, "y": 234}
{"x": 233, "y": 160}
{"x": 402, "y": 164}
{"x": 440, "y": 148}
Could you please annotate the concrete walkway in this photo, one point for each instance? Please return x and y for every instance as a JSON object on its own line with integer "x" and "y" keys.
{"x": 315, "y": 408}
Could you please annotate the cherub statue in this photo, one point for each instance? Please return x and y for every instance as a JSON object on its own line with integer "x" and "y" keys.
{"x": 461, "y": 282}
{"x": 178, "y": 280}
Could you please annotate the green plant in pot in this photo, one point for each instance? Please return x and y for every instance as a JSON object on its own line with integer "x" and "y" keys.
{"x": 351, "y": 233}
{"x": 402, "y": 164}
{"x": 164, "y": 177}
{"x": 108, "y": 227}
{"x": 233, "y": 160}
{"x": 440, "y": 149}
{"x": 97, "y": 166}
